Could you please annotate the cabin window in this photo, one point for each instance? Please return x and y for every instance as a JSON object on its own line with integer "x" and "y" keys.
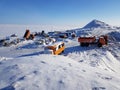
{"x": 59, "y": 46}
{"x": 62, "y": 44}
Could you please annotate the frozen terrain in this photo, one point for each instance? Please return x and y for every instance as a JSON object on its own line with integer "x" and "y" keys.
{"x": 8, "y": 29}
{"x": 25, "y": 67}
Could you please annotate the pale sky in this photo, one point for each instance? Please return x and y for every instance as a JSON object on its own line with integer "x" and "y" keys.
{"x": 59, "y": 12}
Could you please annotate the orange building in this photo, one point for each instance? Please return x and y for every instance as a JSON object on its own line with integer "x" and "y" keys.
{"x": 55, "y": 49}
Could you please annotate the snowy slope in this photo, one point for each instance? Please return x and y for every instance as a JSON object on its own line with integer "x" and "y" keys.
{"x": 97, "y": 28}
{"x": 78, "y": 68}
{"x": 55, "y": 73}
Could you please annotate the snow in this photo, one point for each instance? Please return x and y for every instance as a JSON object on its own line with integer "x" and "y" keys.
{"x": 96, "y": 23}
{"x": 25, "y": 67}
{"x": 55, "y": 73}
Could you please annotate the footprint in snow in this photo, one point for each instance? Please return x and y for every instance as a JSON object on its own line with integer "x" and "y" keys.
{"x": 70, "y": 64}
{"x": 84, "y": 70}
{"x": 103, "y": 76}
{"x": 98, "y": 88}
{"x": 21, "y": 78}
{"x": 35, "y": 72}
{"x": 43, "y": 62}
{"x": 81, "y": 60}
{"x": 107, "y": 78}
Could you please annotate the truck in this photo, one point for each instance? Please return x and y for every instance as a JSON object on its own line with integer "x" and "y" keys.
{"x": 100, "y": 41}
{"x": 103, "y": 40}
{"x": 86, "y": 41}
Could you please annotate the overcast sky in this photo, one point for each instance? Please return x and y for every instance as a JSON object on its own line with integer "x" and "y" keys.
{"x": 59, "y": 12}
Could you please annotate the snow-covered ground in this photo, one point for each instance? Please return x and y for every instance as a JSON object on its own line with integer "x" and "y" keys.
{"x": 25, "y": 67}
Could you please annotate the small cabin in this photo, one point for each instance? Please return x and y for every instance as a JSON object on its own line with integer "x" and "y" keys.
{"x": 55, "y": 49}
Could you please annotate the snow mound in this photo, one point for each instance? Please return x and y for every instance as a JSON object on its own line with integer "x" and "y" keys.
{"x": 115, "y": 35}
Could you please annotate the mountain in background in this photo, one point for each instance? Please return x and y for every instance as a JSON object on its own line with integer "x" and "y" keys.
{"x": 97, "y": 28}
{"x": 97, "y": 24}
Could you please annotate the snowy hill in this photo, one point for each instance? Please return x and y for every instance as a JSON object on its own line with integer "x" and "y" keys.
{"x": 97, "y": 24}
{"x": 97, "y": 28}
{"x": 24, "y": 66}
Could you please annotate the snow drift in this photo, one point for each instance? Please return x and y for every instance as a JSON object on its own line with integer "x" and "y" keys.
{"x": 45, "y": 72}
